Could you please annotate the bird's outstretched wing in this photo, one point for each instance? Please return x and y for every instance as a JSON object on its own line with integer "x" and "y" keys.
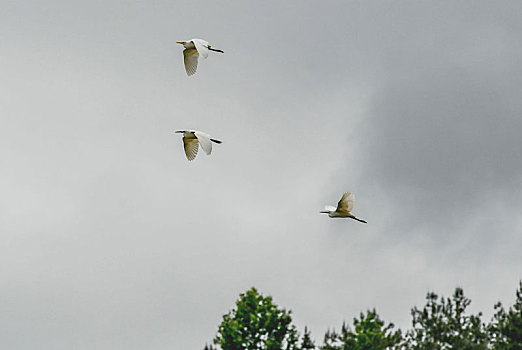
{"x": 202, "y": 47}
{"x": 190, "y": 57}
{"x": 329, "y": 208}
{"x": 346, "y": 202}
{"x": 204, "y": 141}
{"x": 191, "y": 147}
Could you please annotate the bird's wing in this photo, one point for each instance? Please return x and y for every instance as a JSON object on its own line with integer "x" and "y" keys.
{"x": 204, "y": 141}
{"x": 346, "y": 202}
{"x": 191, "y": 147}
{"x": 190, "y": 56}
{"x": 202, "y": 47}
{"x": 329, "y": 208}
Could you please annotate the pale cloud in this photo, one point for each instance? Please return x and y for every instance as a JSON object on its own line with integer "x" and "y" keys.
{"x": 112, "y": 239}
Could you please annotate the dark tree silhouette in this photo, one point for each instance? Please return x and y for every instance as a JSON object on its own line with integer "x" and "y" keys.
{"x": 506, "y": 327}
{"x": 443, "y": 324}
{"x": 370, "y": 333}
{"x": 306, "y": 341}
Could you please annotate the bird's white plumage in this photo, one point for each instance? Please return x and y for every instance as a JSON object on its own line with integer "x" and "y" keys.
{"x": 329, "y": 208}
{"x": 190, "y": 58}
{"x": 204, "y": 141}
{"x": 191, "y": 147}
{"x": 193, "y": 49}
{"x": 346, "y": 202}
{"x": 192, "y": 139}
{"x": 202, "y": 47}
{"x": 344, "y": 208}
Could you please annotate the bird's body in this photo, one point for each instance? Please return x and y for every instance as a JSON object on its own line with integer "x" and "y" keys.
{"x": 193, "y": 49}
{"x": 344, "y": 208}
{"x": 192, "y": 139}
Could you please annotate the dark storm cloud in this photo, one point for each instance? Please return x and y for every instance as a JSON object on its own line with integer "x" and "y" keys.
{"x": 443, "y": 125}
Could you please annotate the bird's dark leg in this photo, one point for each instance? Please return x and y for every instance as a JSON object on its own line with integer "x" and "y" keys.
{"x": 212, "y": 49}
{"x": 353, "y": 217}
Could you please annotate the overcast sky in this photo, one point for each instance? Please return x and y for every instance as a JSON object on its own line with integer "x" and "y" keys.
{"x": 111, "y": 239}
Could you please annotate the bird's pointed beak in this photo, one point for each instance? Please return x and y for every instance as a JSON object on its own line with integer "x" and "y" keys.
{"x": 179, "y": 42}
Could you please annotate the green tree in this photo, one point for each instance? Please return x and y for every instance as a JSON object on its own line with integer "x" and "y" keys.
{"x": 370, "y": 333}
{"x": 306, "y": 341}
{"x": 257, "y": 324}
{"x": 506, "y": 327}
{"x": 331, "y": 340}
{"x": 443, "y": 324}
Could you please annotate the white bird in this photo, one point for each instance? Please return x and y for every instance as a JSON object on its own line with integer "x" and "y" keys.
{"x": 191, "y": 141}
{"x": 344, "y": 208}
{"x": 193, "y": 49}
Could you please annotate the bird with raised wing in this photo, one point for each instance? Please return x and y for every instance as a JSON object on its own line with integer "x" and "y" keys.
{"x": 193, "y": 49}
{"x": 192, "y": 139}
{"x": 344, "y": 208}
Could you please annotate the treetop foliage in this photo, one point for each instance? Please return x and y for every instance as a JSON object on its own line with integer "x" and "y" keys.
{"x": 256, "y": 323}
{"x": 506, "y": 327}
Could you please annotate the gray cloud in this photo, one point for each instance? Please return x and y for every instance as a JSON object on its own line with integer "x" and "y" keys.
{"x": 110, "y": 238}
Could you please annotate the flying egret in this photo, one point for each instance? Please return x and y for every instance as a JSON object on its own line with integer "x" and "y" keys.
{"x": 191, "y": 141}
{"x": 344, "y": 208}
{"x": 194, "y": 48}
